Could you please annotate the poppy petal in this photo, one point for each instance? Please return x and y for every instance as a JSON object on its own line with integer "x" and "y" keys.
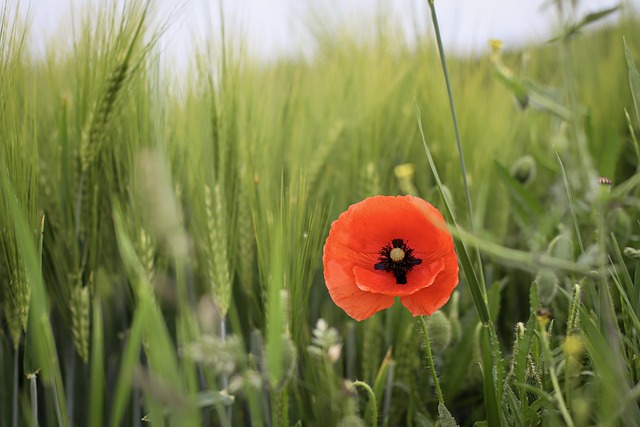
{"x": 429, "y": 300}
{"x": 374, "y": 222}
{"x": 380, "y": 282}
{"x": 346, "y": 295}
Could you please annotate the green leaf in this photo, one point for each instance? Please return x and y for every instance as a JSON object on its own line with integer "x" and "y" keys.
{"x": 494, "y": 299}
{"x": 39, "y": 326}
{"x": 634, "y": 80}
{"x": 445, "y": 417}
{"x": 596, "y": 16}
{"x": 492, "y": 382}
{"x": 590, "y": 18}
{"x": 526, "y": 206}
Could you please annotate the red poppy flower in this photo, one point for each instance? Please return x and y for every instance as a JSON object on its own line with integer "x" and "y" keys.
{"x": 386, "y": 247}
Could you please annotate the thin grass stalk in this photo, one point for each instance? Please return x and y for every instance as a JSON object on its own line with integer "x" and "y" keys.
{"x": 2, "y": 389}
{"x": 632, "y": 132}
{"x": 58, "y": 407}
{"x": 386, "y": 408}
{"x": 570, "y": 198}
{"x": 443, "y": 61}
{"x": 70, "y": 378}
{"x": 569, "y": 76}
{"x": 225, "y": 376}
{"x": 33, "y": 388}
{"x": 372, "y": 400}
{"x": 476, "y": 285}
{"x": 432, "y": 366}
{"x": 14, "y": 400}
{"x": 96, "y": 375}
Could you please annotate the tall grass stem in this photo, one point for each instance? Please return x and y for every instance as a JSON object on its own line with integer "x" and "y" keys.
{"x": 33, "y": 387}
{"x": 225, "y": 377}
{"x": 443, "y": 61}
{"x": 14, "y": 400}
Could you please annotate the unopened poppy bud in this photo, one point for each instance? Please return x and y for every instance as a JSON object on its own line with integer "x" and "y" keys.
{"x": 439, "y": 329}
{"x": 547, "y": 282}
{"x": 524, "y": 170}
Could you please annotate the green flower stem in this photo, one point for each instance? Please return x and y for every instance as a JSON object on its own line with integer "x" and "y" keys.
{"x": 432, "y": 367}
{"x": 372, "y": 399}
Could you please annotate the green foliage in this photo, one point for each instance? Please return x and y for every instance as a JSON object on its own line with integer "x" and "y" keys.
{"x": 161, "y": 235}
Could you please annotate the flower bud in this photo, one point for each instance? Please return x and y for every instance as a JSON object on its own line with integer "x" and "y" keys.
{"x": 439, "y": 329}
{"x": 524, "y": 170}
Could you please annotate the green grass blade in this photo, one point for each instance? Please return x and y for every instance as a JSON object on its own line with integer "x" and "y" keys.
{"x": 39, "y": 326}
{"x": 128, "y": 365}
{"x": 567, "y": 188}
{"x": 490, "y": 382}
{"x": 275, "y": 316}
{"x": 476, "y": 287}
{"x": 634, "y": 80}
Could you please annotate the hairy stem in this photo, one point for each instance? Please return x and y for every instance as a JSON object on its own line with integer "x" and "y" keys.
{"x": 432, "y": 366}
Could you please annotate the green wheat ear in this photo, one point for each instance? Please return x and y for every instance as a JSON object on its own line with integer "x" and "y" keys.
{"x": 246, "y": 234}
{"x": 79, "y": 307}
{"x": 16, "y": 304}
{"x": 14, "y": 324}
{"x": 218, "y": 260}
{"x": 146, "y": 249}
{"x": 100, "y": 119}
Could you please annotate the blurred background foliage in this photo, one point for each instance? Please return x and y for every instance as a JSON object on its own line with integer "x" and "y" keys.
{"x": 162, "y": 234}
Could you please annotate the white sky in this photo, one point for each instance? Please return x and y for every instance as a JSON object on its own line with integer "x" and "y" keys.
{"x": 273, "y": 27}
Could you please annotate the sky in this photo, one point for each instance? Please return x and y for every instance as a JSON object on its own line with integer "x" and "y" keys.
{"x": 271, "y": 28}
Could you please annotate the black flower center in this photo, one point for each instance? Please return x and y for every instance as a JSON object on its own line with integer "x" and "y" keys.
{"x": 397, "y": 258}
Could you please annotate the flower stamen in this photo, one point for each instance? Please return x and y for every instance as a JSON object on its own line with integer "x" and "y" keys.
{"x": 397, "y": 258}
